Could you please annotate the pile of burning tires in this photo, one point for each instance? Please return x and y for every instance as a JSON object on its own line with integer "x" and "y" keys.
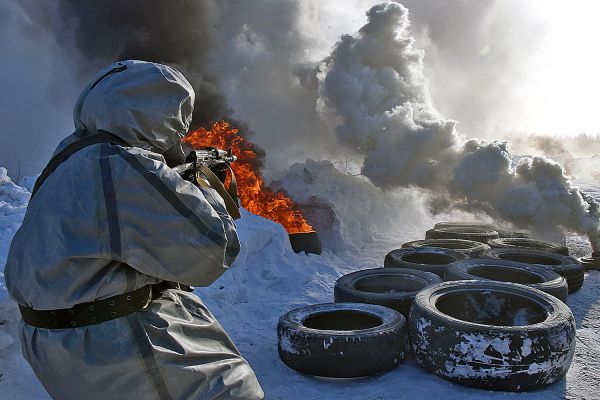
{"x": 472, "y": 304}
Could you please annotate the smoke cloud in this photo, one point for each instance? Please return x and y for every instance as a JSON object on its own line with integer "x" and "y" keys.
{"x": 175, "y": 32}
{"x": 558, "y": 150}
{"x": 179, "y": 33}
{"x": 35, "y": 83}
{"x": 478, "y": 57}
{"x": 365, "y": 101}
{"x": 249, "y": 56}
{"x": 263, "y": 46}
{"x": 373, "y": 83}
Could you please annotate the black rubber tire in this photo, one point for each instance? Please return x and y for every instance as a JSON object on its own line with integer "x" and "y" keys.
{"x": 307, "y": 242}
{"x": 502, "y": 232}
{"x": 590, "y": 263}
{"x": 468, "y": 247}
{"x": 464, "y": 224}
{"x": 534, "y": 276}
{"x": 529, "y": 244}
{"x": 428, "y": 259}
{"x": 509, "y": 233}
{"x": 476, "y": 234}
{"x": 566, "y": 266}
{"x": 340, "y": 353}
{"x": 394, "y": 288}
{"x": 494, "y": 356}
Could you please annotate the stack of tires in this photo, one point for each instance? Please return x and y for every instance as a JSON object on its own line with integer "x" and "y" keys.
{"x": 472, "y": 305}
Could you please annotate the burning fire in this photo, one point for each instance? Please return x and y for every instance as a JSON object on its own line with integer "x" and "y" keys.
{"x": 254, "y": 196}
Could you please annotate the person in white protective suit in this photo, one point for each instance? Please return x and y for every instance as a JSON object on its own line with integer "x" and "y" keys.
{"x": 110, "y": 233}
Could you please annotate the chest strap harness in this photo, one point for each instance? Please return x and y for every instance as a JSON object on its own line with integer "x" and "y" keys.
{"x": 99, "y": 137}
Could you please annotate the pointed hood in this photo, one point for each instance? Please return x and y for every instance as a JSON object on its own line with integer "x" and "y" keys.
{"x": 148, "y": 105}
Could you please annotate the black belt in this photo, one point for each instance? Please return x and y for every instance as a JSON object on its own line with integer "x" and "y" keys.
{"x": 93, "y": 312}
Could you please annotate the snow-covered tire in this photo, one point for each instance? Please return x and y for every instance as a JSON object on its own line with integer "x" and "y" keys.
{"x": 566, "y": 266}
{"x": 534, "y": 276}
{"x": 469, "y": 247}
{"x": 342, "y": 340}
{"x": 474, "y": 233}
{"x": 492, "y": 335}
{"x": 429, "y": 259}
{"x": 394, "y": 288}
{"x": 529, "y": 244}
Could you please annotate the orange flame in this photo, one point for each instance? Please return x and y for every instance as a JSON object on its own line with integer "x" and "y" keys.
{"x": 254, "y": 196}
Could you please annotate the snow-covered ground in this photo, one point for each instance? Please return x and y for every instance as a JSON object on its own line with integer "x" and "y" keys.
{"x": 267, "y": 280}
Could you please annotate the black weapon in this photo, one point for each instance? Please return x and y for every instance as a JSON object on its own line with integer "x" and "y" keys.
{"x": 208, "y": 168}
{"x": 217, "y": 160}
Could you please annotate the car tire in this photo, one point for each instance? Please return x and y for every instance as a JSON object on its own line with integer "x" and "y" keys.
{"x": 591, "y": 263}
{"x": 342, "y": 340}
{"x": 394, "y": 288}
{"x": 566, "y": 266}
{"x": 469, "y": 247}
{"x": 529, "y": 244}
{"x": 534, "y": 276}
{"x": 476, "y": 234}
{"x": 492, "y": 335}
{"x": 509, "y": 233}
{"x": 465, "y": 224}
{"x": 502, "y": 232}
{"x": 428, "y": 259}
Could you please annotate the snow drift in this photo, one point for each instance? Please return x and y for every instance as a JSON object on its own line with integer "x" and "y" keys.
{"x": 348, "y": 211}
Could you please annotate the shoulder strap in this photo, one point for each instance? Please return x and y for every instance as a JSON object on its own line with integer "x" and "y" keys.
{"x": 214, "y": 182}
{"x": 233, "y": 187}
{"x": 100, "y": 137}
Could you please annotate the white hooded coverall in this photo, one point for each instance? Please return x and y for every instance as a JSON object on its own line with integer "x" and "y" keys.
{"x": 112, "y": 219}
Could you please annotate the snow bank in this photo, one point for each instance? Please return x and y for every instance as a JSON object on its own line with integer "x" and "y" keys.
{"x": 17, "y": 380}
{"x": 13, "y": 203}
{"x": 348, "y": 211}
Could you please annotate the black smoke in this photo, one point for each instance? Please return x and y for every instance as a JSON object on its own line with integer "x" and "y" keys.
{"x": 181, "y": 33}
{"x": 178, "y": 32}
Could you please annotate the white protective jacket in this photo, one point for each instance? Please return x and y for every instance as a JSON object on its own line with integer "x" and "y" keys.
{"x": 112, "y": 219}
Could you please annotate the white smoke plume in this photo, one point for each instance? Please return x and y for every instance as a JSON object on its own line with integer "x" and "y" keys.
{"x": 554, "y": 148}
{"x": 374, "y": 87}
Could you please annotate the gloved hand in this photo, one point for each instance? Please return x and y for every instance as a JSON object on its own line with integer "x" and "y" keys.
{"x": 220, "y": 170}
